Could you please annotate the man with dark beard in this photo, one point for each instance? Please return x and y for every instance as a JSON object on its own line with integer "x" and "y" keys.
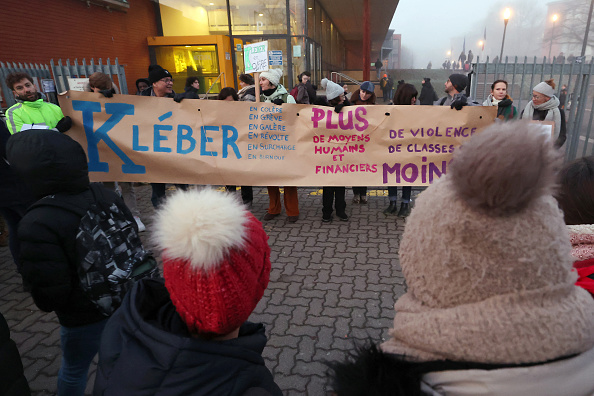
{"x": 31, "y": 109}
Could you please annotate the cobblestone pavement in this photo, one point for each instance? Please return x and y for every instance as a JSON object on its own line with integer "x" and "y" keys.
{"x": 331, "y": 285}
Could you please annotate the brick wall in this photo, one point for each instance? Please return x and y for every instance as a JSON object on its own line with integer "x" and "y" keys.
{"x": 40, "y": 30}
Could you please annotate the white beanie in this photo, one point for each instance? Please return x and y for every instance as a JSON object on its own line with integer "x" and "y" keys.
{"x": 544, "y": 89}
{"x": 333, "y": 90}
{"x": 486, "y": 257}
{"x": 272, "y": 75}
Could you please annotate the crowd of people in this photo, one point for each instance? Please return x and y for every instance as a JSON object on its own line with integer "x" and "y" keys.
{"x": 493, "y": 298}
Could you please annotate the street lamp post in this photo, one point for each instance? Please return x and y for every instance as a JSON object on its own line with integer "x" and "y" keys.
{"x": 506, "y": 15}
{"x": 555, "y": 17}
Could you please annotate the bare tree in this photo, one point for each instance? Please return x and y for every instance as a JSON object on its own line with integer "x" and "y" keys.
{"x": 571, "y": 27}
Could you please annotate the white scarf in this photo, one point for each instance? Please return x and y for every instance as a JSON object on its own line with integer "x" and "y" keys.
{"x": 491, "y": 101}
{"x": 552, "y": 115}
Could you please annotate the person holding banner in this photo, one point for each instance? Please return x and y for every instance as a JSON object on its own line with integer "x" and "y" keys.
{"x": 31, "y": 109}
{"x": 498, "y": 97}
{"x": 162, "y": 87}
{"x": 544, "y": 106}
{"x": 102, "y": 83}
{"x": 335, "y": 97}
{"x": 454, "y": 88}
{"x": 247, "y": 192}
{"x": 405, "y": 95}
{"x": 363, "y": 96}
{"x": 274, "y": 92}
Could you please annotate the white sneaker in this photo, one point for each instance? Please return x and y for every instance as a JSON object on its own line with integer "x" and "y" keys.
{"x": 141, "y": 226}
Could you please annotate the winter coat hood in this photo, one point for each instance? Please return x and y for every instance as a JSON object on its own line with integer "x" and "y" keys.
{"x": 48, "y": 162}
{"x": 148, "y": 334}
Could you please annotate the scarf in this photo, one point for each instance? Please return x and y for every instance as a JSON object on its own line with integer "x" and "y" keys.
{"x": 553, "y": 114}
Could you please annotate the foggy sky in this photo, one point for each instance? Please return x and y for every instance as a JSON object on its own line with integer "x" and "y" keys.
{"x": 430, "y": 28}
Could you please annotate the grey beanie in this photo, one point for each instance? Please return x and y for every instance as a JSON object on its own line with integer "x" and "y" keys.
{"x": 544, "y": 89}
{"x": 333, "y": 90}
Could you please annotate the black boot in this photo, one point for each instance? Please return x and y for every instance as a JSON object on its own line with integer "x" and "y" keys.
{"x": 390, "y": 209}
{"x": 404, "y": 210}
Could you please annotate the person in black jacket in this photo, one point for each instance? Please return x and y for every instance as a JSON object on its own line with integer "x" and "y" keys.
{"x": 53, "y": 164}
{"x": 428, "y": 95}
{"x": 162, "y": 87}
{"x": 191, "y": 89}
{"x": 333, "y": 195}
{"x": 12, "y": 377}
{"x": 189, "y": 335}
{"x": 15, "y": 197}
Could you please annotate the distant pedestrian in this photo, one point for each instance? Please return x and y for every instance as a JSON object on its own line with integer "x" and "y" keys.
{"x": 470, "y": 56}
{"x": 429, "y": 65}
{"x": 462, "y": 58}
{"x": 189, "y": 334}
{"x": 385, "y": 86}
{"x": 428, "y": 95}
{"x": 563, "y": 97}
{"x": 378, "y": 67}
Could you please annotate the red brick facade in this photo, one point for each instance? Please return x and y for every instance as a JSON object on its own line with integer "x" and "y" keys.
{"x": 40, "y": 30}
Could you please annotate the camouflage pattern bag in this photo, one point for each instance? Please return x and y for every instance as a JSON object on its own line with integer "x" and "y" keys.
{"x": 110, "y": 252}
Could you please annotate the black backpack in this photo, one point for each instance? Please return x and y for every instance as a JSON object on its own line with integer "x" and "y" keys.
{"x": 110, "y": 252}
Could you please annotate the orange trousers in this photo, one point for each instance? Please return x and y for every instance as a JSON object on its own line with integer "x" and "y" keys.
{"x": 291, "y": 201}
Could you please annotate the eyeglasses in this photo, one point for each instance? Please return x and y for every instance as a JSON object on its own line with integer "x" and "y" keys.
{"x": 167, "y": 80}
{"x": 538, "y": 97}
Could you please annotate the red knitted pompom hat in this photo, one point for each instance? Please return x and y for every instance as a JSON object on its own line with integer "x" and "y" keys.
{"x": 216, "y": 259}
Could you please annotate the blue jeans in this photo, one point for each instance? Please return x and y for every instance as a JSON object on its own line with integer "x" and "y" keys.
{"x": 79, "y": 347}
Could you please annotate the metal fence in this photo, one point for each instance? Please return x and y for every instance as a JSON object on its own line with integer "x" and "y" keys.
{"x": 64, "y": 71}
{"x": 60, "y": 73}
{"x": 523, "y": 76}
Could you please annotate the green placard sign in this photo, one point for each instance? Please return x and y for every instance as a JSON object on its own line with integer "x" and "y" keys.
{"x": 256, "y": 57}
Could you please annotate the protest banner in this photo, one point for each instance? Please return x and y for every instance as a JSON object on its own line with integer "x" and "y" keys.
{"x": 149, "y": 139}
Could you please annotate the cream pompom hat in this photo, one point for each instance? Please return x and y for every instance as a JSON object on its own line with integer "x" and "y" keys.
{"x": 486, "y": 256}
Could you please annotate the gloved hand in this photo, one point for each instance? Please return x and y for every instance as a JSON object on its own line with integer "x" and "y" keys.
{"x": 179, "y": 97}
{"x": 278, "y": 101}
{"x": 338, "y": 107}
{"x": 459, "y": 103}
{"x": 64, "y": 124}
{"x": 108, "y": 93}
